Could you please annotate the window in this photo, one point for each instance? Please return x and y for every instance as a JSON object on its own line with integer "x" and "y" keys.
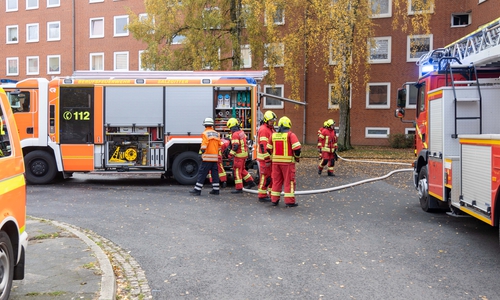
{"x": 177, "y": 40}
{"x": 274, "y": 54}
{"x": 278, "y": 17}
{"x": 246, "y": 56}
{"x": 95, "y": 1}
{"x": 121, "y": 61}
{"x": 410, "y": 131}
{"x": 32, "y": 33}
{"x": 277, "y": 90}
{"x": 333, "y": 102}
{"x": 5, "y": 147}
{"x": 31, "y": 4}
{"x": 380, "y": 50}
{"x": 96, "y": 62}
{"x": 32, "y": 65}
{"x": 54, "y": 31}
{"x": 20, "y": 102}
{"x": 420, "y": 6}
{"x": 12, "y": 34}
{"x": 12, "y": 66}
{"x": 411, "y": 96}
{"x": 53, "y": 3}
{"x": 377, "y": 132}
{"x": 54, "y": 64}
{"x": 97, "y": 28}
{"x": 379, "y": 95}
{"x": 211, "y": 18}
{"x": 11, "y": 5}
{"x": 418, "y": 45}
{"x": 381, "y": 8}
{"x": 460, "y": 20}
{"x": 121, "y": 23}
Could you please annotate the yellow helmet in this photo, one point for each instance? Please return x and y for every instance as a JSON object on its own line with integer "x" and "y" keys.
{"x": 330, "y": 122}
{"x": 269, "y": 116}
{"x": 285, "y": 122}
{"x": 325, "y": 124}
{"x": 231, "y": 123}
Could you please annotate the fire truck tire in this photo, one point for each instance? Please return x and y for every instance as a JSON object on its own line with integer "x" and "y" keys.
{"x": 426, "y": 200}
{"x": 40, "y": 167}
{"x": 6, "y": 265}
{"x": 185, "y": 168}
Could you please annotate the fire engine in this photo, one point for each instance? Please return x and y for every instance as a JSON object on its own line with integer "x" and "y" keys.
{"x": 457, "y": 140}
{"x": 135, "y": 122}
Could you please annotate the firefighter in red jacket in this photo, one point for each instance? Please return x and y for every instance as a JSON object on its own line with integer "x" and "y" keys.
{"x": 264, "y": 134}
{"x": 285, "y": 151}
{"x": 327, "y": 144}
{"x": 239, "y": 154}
{"x": 209, "y": 150}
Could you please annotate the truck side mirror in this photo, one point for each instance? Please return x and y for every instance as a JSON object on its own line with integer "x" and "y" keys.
{"x": 399, "y": 113}
{"x": 401, "y": 103}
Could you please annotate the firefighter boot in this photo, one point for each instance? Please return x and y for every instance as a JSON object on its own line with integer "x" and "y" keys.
{"x": 195, "y": 192}
{"x": 292, "y": 205}
{"x": 320, "y": 170}
{"x": 237, "y": 192}
{"x": 214, "y": 192}
{"x": 223, "y": 184}
{"x": 250, "y": 184}
{"x": 330, "y": 173}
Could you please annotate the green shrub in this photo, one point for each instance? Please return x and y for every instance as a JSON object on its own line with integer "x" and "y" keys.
{"x": 401, "y": 140}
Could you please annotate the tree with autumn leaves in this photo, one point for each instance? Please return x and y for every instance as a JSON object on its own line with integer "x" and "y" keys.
{"x": 331, "y": 35}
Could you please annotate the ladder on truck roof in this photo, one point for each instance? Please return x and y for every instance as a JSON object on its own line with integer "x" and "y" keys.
{"x": 257, "y": 75}
{"x": 480, "y": 48}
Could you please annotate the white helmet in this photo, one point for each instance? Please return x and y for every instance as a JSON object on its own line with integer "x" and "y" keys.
{"x": 208, "y": 122}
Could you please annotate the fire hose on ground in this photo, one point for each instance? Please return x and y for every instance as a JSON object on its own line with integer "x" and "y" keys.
{"x": 337, "y": 188}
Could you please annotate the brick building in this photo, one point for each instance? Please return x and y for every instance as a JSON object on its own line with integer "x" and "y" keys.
{"x": 50, "y": 38}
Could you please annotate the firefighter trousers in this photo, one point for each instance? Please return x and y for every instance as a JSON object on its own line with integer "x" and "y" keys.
{"x": 240, "y": 173}
{"x": 265, "y": 181}
{"x": 283, "y": 174}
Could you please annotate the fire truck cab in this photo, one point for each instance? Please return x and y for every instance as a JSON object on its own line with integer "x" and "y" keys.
{"x": 457, "y": 140}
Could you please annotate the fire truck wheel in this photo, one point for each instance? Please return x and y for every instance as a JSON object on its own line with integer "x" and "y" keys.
{"x": 40, "y": 167}
{"x": 185, "y": 168}
{"x": 6, "y": 265}
{"x": 423, "y": 191}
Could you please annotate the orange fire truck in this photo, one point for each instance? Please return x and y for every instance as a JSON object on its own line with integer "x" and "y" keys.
{"x": 457, "y": 122}
{"x": 13, "y": 235}
{"x": 141, "y": 122}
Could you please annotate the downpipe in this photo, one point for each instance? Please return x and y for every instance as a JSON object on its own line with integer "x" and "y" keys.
{"x": 341, "y": 187}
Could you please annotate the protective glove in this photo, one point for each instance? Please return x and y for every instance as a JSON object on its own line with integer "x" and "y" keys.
{"x": 297, "y": 159}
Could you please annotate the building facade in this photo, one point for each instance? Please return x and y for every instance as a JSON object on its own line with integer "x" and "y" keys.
{"x": 53, "y": 38}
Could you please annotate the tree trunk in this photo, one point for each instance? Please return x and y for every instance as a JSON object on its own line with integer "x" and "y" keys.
{"x": 344, "y": 141}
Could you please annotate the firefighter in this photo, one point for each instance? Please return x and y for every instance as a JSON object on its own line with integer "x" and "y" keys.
{"x": 220, "y": 166}
{"x": 239, "y": 154}
{"x": 285, "y": 149}
{"x": 264, "y": 134}
{"x": 319, "y": 133}
{"x": 209, "y": 150}
{"x": 327, "y": 144}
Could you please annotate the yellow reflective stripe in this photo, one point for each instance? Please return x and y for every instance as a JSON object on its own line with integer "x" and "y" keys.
{"x": 295, "y": 145}
{"x": 13, "y": 183}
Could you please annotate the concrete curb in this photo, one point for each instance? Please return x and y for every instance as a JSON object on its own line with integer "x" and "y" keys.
{"x": 108, "y": 287}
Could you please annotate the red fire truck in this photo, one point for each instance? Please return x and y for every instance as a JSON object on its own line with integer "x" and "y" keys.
{"x": 135, "y": 122}
{"x": 457, "y": 140}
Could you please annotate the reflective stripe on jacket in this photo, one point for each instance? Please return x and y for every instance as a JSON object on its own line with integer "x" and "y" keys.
{"x": 210, "y": 145}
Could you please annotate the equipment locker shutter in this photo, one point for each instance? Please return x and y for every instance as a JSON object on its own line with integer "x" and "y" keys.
{"x": 186, "y": 108}
{"x": 139, "y": 105}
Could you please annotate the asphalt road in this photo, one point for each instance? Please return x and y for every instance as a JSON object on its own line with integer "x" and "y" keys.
{"x": 371, "y": 241}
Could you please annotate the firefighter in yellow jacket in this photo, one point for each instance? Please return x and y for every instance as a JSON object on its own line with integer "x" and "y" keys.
{"x": 210, "y": 147}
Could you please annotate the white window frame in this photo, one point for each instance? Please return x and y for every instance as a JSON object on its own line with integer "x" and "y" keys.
{"x": 58, "y": 38}
{"x": 275, "y": 45}
{"x": 115, "y": 56}
{"x": 411, "y": 130}
{"x": 91, "y": 61}
{"x": 7, "y": 36}
{"x": 246, "y": 56}
{"x": 94, "y": 36}
{"x": 388, "y": 14}
{"x": 58, "y": 71}
{"x": 388, "y": 97}
{"x": 369, "y": 135}
{"x": 16, "y": 4}
{"x": 269, "y": 106}
{"x": 32, "y": 40}
{"x": 56, "y": 3}
{"x": 375, "y": 42}
{"x": 337, "y": 106}
{"x": 409, "y": 55}
{"x": 7, "y": 70}
{"x": 32, "y": 7}
{"x": 115, "y": 28}
{"x": 95, "y": 1}
{"x": 481, "y": 1}
{"x": 469, "y": 21}
{"x": 275, "y": 19}
{"x": 28, "y": 72}
{"x": 412, "y": 12}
